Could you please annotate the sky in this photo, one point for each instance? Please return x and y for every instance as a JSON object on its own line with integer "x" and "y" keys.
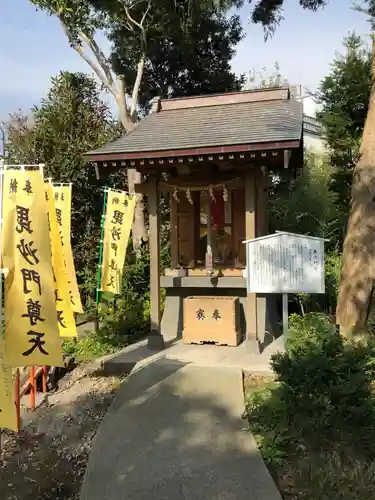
{"x": 33, "y": 48}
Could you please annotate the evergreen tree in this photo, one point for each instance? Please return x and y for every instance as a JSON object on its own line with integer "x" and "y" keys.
{"x": 194, "y": 60}
{"x": 344, "y": 97}
{"x": 71, "y": 120}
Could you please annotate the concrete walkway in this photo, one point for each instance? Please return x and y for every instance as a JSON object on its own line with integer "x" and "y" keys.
{"x": 174, "y": 432}
{"x": 245, "y": 357}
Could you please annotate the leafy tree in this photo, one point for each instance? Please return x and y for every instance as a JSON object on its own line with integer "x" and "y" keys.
{"x": 344, "y": 97}
{"x": 72, "y": 119}
{"x": 269, "y": 12}
{"x": 358, "y": 272}
{"x": 309, "y": 207}
{"x": 141, "y": 21}
{"x": 190, "y": 61}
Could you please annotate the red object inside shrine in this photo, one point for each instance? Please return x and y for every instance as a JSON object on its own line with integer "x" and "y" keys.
{"x": 217, "y": 209}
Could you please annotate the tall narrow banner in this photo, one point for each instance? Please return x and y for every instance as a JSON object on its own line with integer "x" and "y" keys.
{"x": 31, "y": 327}
{"x": 65, "y": 315}
{"x": 62, "y": 196}
{"x": 8, "y": 415}
{"x": 118, "y": 222}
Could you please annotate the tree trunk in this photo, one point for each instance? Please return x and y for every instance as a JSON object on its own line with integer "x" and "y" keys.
{"x": 358, "y": 269}
{"x": 139, "y": 232}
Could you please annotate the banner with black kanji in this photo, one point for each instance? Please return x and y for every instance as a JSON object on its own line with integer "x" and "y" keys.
{"x": 64, "y": 307}
{"x": 62, "y": 197}
{"x": 117, "y": 225}
{"x": 31, "y": 324}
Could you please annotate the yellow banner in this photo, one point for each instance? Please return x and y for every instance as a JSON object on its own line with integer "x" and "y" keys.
{"x": 62, "y": 196}
{"x": 65, "y": 315}
{"x": 31, "y": 328}
{"x": 118, "y": 222}
{"x": 8, "y": 416}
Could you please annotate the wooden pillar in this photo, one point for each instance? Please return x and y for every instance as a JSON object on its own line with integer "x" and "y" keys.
{"x": 261, "y": 203}
{"x": 250, "y": 228}
{"x": 196, "y": 195}
{"x": 174, "y": 231}
{"x": 155, "y": 340}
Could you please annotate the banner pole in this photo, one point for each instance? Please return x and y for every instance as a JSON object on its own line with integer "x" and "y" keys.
{"x": 101, "y": 250}
{"x": 1, "y": 276}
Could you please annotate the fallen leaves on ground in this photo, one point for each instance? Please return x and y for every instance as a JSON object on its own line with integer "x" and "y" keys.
{"x": 48, "y": 459}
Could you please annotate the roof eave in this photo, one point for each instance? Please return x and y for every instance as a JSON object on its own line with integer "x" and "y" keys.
{"x": 99, "y": 156}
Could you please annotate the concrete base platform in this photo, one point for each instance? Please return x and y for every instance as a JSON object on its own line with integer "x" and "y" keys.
{"x": 174, "y": 432}
{"x": 245, "y": 357}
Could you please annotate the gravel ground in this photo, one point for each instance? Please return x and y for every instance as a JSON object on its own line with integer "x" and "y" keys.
{"x": 47, "y": 460}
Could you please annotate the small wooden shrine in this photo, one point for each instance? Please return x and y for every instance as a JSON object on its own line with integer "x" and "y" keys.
{"x": 213, "y": 155}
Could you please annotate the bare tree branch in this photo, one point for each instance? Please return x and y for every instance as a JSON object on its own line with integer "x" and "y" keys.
{"x": 95, "y": 66}
{"x": 140, "y": 24}
{"x": 141, "y": 63}
{"x": 99, "y": 56}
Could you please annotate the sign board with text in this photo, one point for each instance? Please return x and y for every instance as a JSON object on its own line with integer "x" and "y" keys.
{"x": 285, "y": 263}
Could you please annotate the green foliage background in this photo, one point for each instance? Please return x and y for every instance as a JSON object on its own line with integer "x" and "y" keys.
{"x": 315, "y": 423}
{"x": 344, "y": 97}
{"x": 70, "y": 121}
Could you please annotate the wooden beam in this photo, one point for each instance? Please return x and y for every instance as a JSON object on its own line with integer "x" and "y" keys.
{"x": 165, "y": 188}
{"x": 250, "y": 227}
{"x": 155, "y": 340}
{"x": 180, "y": 153}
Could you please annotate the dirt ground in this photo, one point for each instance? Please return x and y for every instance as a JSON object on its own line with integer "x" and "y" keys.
{"x": 48, "y": 459}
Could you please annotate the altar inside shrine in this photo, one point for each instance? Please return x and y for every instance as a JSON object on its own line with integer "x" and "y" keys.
{"x": 212, "y": 158}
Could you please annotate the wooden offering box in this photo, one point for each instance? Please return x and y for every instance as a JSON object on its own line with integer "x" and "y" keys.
{"x": 211, "y": 319}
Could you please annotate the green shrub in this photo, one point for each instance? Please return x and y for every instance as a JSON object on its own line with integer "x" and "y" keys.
{"x": 123, "y": 319}
{"x": 326, "y": 381}
{"x": 121, "y": 322}
{"x": 122, "y": 316}
{"x": 323, "y": 396}
{"x": 334, "y": 476}
{"x": 95, "y": 345}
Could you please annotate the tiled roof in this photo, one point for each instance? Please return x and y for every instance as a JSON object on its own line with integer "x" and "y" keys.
{"x": 238, "y": 123}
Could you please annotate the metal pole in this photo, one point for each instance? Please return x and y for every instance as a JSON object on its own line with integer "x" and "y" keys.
{"x": 1, "y": 271}
{"x": 101, "y": 250}
{"x": 18, "y": 399}
{"x": 285, "y": 314}
{"x": 2, "y": 132}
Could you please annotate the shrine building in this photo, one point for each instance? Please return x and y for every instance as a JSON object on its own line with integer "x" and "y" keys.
{"x": 212, "y": 158}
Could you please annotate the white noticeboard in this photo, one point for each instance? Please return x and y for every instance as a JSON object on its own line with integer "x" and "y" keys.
{"x": 285, "y": 263}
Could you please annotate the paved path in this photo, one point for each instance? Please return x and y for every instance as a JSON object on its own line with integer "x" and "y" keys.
{"x": 174, "y": 432}
{"x": 245, "y": 357}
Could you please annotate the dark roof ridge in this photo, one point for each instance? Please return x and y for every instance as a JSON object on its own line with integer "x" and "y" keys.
{"x": 216, "y": 105}
{"x": 217, "y": 94}
{"x": 259, "y": 95}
